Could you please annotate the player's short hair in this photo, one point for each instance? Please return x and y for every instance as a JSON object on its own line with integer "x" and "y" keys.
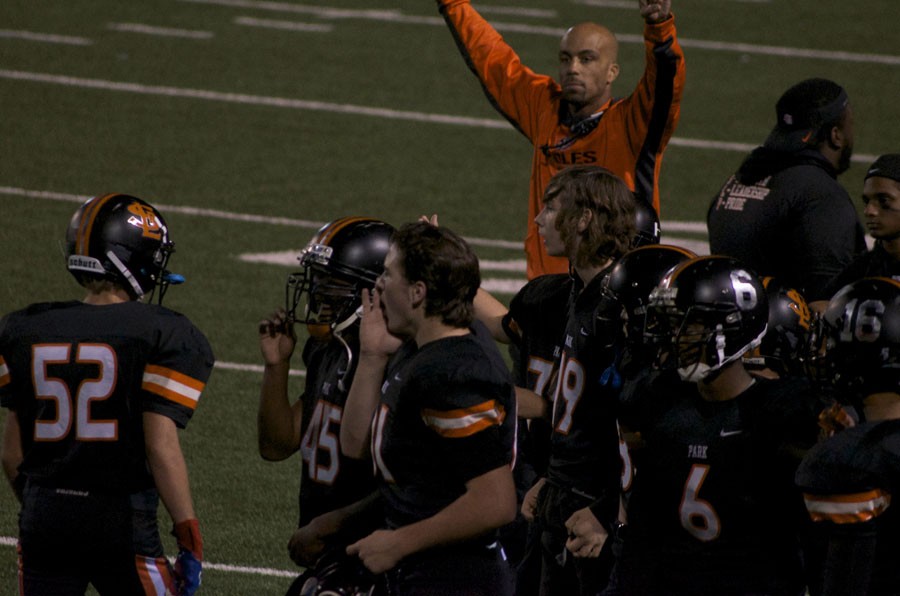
{"x": 612, "y": 226}
{"x": 444, "y": 262}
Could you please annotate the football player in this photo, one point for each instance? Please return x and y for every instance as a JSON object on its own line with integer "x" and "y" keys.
{"x": 849, "y": 478}
{"x": 438, "y": 421}
{"x": 97, "y": 390}
{"x": 713, "y": 508}
{"x": 588, "y": 217}
{"x": 627, "y": 288}
{"x": 344, "y": 257}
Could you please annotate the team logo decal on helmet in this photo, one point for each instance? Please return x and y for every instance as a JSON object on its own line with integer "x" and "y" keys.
{"x": 120, "y": 238}
{"x": 146, "y": 218}
{"x": 706, "y": 313}
{"x": 784, "y": 348}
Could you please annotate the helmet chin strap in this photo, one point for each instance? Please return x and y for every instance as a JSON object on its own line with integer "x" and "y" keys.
{"x": 720, "y": 345}
{"x": 125, "y": 273}
{"x": 700, "y": 371}
{"x": 338, "y": 333}
{"x": 704, "y": 372}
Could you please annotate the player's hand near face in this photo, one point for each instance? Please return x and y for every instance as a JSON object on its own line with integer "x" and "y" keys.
{"x": 655, "y": 11}
{"x": 374, "y": 337}
{"x": 586, "y": 534}
{"x": 276, "y": 338}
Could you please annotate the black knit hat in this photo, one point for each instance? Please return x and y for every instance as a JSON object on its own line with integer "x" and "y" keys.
{"x": 802, "y": 111}
{"x": 886, "y": 166}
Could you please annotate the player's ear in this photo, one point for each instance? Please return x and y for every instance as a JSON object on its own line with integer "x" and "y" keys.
{"x": 613, "y": 73}
{"x": 584, "y": 220}
{"x": 836, "y": 137}
{"x": 417, "y": 294}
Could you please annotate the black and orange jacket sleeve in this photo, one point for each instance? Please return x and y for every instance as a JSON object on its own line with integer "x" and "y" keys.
{"x": 631, "y": 135}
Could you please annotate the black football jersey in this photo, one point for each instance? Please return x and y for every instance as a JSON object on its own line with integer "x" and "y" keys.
{"x": 80, "y": 376}
{"x": 848, "y": 482}
{"x": 586, "y": 452}
{"x": 330, "y": 480}
{"x": 535, "y": 323}
{"x": 714, "y": 509}
{"x": 447, "y": 415}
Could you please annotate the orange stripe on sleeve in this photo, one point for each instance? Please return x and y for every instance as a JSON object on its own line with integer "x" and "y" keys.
{"x": 464, "y": 422}
{"x": 847, "y": 508}
{"x": 172, "y": 385}
{"x": 175, "y": 376}
{"x": 154, "y": 574}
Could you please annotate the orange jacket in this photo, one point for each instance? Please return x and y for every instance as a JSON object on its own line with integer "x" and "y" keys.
{"x": 629, "y": 139}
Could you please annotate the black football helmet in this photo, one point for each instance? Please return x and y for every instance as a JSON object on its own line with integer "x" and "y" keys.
{"x": 647, "y": 224}
{"x": 785, "y": 345}
{"x": 635, "y": 275}
{"x": 861, "y": 339}
{"x": 706, "y": 313}
{"x": 335, "y": 574}
{"x": 343, "y": 257}
{"x": 124, "y": 239}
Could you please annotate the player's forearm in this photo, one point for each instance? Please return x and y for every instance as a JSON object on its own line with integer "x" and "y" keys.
{"x": 332, "y": 522}
{"x": 362, "y": 399}
{"x": 167, "y": 465}
{"x": 490, "y": 312}
{"x": 530, "y": 404}
{"x": 488, "y": 503}
{"x": 514, "y": 90}
{"x": 278, "y": 437}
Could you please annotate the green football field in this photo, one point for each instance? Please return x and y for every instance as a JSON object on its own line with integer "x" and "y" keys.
{"x": 251, "y": 123}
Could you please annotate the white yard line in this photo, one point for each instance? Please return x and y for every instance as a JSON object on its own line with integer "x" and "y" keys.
{"x": 395, "y": 16}
{"x": 45, "y": 37}
{"x": 267, "y": 571}
{"x": 324, "y": 106}
{"x": 228, "y": 215}
{"x": 284, "y": 25}
{"x": 158, "y": 31}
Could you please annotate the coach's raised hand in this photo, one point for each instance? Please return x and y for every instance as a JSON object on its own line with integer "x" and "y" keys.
{"x": 655, "y": 11}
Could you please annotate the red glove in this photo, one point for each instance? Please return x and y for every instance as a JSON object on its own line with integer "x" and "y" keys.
{"x": 188, "y": 563}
